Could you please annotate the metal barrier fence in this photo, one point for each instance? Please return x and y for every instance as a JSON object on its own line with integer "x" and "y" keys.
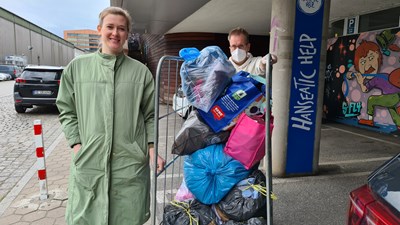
{"x": 166, "y": 127}
{"x": 166, "y": 183}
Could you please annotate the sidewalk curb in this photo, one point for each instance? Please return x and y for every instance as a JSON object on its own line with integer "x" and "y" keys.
{"x": 5, "y": 203}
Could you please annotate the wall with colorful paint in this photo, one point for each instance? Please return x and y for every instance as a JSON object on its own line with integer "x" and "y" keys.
{"x": 362, "y": 81}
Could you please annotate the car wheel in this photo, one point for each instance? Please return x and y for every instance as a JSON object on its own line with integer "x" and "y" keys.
{"x": 20, "y": 109}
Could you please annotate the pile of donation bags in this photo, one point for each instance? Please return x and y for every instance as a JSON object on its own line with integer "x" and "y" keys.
{"x": 223, "y": 141}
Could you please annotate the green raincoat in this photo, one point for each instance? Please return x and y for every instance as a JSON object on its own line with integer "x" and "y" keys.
{"x": 106, "y": 103}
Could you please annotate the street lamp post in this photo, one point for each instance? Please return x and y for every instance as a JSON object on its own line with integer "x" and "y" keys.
{"x": 30, "y": 54}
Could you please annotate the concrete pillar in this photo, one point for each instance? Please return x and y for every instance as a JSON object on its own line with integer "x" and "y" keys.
{"x": 305, "y": 155}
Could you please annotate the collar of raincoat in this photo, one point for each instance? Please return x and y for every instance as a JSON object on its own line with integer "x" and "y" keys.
{"x": 111, "y": 61}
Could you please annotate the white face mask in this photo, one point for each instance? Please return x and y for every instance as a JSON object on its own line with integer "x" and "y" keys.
{"x": 238, "y": 55}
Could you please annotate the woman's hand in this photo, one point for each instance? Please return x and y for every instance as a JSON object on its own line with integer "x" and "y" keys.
{"x": 76, "y": 148}
{"x": 160, "y": 160}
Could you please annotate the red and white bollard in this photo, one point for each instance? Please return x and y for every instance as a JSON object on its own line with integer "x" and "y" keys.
{"x": 41, "y": 164}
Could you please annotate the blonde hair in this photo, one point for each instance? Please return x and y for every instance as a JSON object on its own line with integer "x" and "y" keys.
{"x": 116, "y": 11}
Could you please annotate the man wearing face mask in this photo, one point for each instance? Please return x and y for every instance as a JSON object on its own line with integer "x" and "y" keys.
{"x": 241, "y": 58}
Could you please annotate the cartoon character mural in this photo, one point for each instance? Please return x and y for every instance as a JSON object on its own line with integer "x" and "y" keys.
{"x": 363, "y": 80}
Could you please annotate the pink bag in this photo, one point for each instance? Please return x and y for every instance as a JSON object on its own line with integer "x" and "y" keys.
{"x": 183, "y": 193}
{"x": 247, "y": 140}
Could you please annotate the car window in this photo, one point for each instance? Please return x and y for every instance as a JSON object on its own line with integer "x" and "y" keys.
{"x": 385, "y": 182}
{"x": 6, "y": 68}
{"x": 42, "y": 74}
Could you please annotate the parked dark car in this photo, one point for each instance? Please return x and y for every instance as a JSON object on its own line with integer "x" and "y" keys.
{"x": 378, "y": 202}
{"x": 37, "y": 85}
{"x": 13, "y": 70}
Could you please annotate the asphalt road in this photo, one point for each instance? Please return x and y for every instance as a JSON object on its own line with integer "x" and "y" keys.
{"x": 6, "y": 87}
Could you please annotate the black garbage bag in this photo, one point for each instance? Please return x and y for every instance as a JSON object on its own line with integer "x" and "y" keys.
{"x": 195, "y": 135}
{"x": 246, "y": 199}
{"x": 251, "y": 221}
{"x": 190, "y": 212}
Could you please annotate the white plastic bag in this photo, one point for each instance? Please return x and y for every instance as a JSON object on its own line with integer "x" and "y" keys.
{"x": 205, "y": 77}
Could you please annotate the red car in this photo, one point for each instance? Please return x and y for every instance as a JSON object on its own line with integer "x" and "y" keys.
{"x": 378, "y": 202}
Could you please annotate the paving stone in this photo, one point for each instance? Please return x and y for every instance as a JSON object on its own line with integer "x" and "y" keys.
{"x": 9, "y": 170}
{"x": 31, "y": 190}
{"x": 60, "y": 221}
{"x": 31, "y": 184}
{"x": 6, "y": 163}
{"x": 19, "y": 173}
{"x": 54, "y": 177}
{"x": 10, "y": 219}
{"x": 33, "y": 216}
{"x": 13, "y": 179}
{"x": 3, "y": 193}
{"x": 61, "y": 183}
{"x": 8, "y": 186}
{"x": 26, "y": 209}
{"x": 52, "y": 204}
{"x": 22, "y": 201}
{"x": 8, "y": 211}
{"x": 21, "y": 223}
{"x": 45, "y": 221}
{"x": 60, "y": 194}
{"x": 56, "y": 213}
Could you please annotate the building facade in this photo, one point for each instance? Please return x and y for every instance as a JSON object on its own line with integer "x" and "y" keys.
{"x": 87, "y": 40}
{"x": 34, "y": 44}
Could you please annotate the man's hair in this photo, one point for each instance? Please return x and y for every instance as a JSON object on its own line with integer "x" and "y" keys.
{"x": 239, "y": 31}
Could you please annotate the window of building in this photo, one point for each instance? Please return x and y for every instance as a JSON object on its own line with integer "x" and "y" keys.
{"x": 388, "y": 18}
{"x": 336, "y": 28}
{"x": 379, "y": 20}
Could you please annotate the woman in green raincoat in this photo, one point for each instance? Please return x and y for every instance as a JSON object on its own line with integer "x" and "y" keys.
{"x": 106, "y": 104}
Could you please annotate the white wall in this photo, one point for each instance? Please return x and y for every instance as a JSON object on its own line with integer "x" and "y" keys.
{"x": 16, "y": 40}
{"x": 7, "y": 39}
{"x": 37, "y": 50}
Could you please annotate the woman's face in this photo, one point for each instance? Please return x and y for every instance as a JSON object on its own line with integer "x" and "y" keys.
{"x": 113, "y": 33}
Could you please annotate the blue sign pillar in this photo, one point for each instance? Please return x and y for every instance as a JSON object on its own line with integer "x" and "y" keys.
{"x": 304, "y": 86}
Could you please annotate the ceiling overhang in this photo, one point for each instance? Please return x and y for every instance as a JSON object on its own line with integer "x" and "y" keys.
{"x": 219, "y": 16}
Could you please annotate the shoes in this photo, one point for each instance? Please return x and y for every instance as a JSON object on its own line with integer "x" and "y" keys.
{"x": 366, "y": 122}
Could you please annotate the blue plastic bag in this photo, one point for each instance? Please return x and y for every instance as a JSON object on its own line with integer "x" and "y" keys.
{"x": 204, "y": 75}
{"x": 238, "y": 96}
{"x": 210, "y": 174}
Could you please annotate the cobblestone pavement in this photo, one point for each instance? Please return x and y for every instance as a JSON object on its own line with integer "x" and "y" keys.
{"x": 28, "y": 209}
{"x": 17, "y": 150}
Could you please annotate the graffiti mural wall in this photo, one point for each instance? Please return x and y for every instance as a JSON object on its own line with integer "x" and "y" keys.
{"x": 362, "y": 82}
